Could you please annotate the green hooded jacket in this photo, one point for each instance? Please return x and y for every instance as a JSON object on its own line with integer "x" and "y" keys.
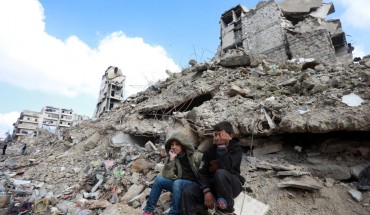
{"x": 194, "y": 157}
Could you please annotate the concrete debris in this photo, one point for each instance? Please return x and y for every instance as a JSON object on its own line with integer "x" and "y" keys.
{"x": 364, "y": 179}
{"x": 246, "y": 205}
{"x": 288, "y": 114}
{"x": 292, "y": 173}
{"x": 331, "y": 170}
{"x": 329, "y": 182}
{"x": 352, "y": 100}
{"x": 300, "y": 185}
{"x": 357, "y": 195}
{"x": 268, "y": 149}
{"x": 290, "y": 29}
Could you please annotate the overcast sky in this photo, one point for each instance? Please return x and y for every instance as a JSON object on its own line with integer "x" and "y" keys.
{"x": 55, "y": 52}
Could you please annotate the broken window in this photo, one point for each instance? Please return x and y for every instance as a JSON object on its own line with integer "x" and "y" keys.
{"x": 339, "y": 40}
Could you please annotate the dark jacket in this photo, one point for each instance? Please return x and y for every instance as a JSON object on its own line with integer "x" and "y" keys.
{"x": 172, "y": 167}
{"x": 216, "y": 158}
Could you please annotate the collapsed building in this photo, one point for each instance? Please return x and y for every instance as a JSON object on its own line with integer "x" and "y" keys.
{"x": 287, "y": 30}
{"x": 304, "y": 127}
{"x": 111, "y": 90}
{"x": 50, "y": 118}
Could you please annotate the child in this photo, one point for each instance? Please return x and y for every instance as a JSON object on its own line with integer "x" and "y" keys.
{"x": 180, "y": 170}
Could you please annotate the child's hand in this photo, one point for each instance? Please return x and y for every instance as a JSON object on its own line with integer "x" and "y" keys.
{"x": 172, "y": 155}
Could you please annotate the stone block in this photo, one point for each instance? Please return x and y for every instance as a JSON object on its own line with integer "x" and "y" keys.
{"x": 268, "y": 149}
{"x": 246, "y": 205}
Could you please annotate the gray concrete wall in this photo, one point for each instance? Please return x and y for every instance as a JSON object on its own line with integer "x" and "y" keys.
{"x": 312, "y": 45}
{"x": 262, "y": 31}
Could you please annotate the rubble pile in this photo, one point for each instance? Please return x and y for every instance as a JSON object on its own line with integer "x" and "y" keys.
{"x": 263, "y": 98}
{"x": 107, "y": 165}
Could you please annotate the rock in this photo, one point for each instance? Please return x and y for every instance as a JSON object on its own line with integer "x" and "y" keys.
{"x": 357, "y": 195}
{"x": 235, "y": 58}
{"x": 292, "y": 173}
{"x": 355, "y": 170}
{"x": 300, "y": 185}
{"x": 235, "y": 90}
{"x": 329, "y": 182}
{"x": 159, "y": 167}
{"x": 141, "y": 165}
{"x": 92, "y": 141}
{"x": 164, "y": 197}
{"x": 364, "y": 179}
{"x": 328, "y": 170}
{"x": 289, "y": 82}
{"x": 119, "y": 209}
{"x": 133, "y": 191}
{"x": 268, "y": 149}
{"x": 150, "y": 146}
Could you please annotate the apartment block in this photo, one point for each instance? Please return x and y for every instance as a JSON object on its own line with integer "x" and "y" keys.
{"x": 50, "y": 118}
{"x": 111, "y": 91}
{"x": 27, "y": 123}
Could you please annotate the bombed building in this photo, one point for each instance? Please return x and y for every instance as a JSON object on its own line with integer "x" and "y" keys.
{"x": 286, "y": 30}
{"x": 111, "y": 90}
{"x": 304, "y": 127}
{"x": 50, "y": 118}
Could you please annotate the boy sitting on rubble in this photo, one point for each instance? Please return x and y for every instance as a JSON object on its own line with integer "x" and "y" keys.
{"x": 219, "y": 175}
{"x": 180, "y": 170}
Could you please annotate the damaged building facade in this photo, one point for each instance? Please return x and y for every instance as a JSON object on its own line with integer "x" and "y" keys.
{"x": 50, "y": 118}
{"x": 111, "y": 90}
{"x": 290, "y": 29}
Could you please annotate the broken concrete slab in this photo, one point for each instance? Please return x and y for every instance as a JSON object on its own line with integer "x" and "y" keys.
{"x": 268, "y": 149}
{"x": 324, "y": 10}
{"x": 234, "y": 58}
{"x": 133, "y": 191}
{"x": 299, "y": 6}
{"x": 292, "y": 173}
{"x": 357, "y": 195}
{"x": 300, "y": 185}
{"x": 330, "y": 170}
{"x": 246, "y": 205}
{"x": 236, "y": 90}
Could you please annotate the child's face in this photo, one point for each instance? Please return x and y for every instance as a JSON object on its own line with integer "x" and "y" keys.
{"x": 176, "y": 147}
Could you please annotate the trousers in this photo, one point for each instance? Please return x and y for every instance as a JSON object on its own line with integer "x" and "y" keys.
{"x": 174, "y": 186}
{"x": 224, "y": 186}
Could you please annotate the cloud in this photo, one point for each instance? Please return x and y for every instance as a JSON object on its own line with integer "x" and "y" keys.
{"x": 356, "y": 13}
{"x": 359, "y": 51}
{"x": 34, "y": 60}
{"x": 6, "y": 122}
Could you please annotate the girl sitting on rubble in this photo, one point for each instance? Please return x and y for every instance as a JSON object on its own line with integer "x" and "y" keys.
{"x": 180, "y": 170}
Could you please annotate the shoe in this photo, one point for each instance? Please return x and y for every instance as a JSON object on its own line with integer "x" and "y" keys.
{"x": 145, "y": 213}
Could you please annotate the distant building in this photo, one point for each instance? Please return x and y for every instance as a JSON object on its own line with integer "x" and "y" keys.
{"x": 50, "y": 118}
{"x": 111, "y": 91}
{"x": 287, "y": 30}
{"x": 27, "y": 123}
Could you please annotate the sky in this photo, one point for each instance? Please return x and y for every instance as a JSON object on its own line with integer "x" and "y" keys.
{"x": 55, "y": 52}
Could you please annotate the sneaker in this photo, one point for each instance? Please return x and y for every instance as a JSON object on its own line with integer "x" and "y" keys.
{"x": 146, "y": 213}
